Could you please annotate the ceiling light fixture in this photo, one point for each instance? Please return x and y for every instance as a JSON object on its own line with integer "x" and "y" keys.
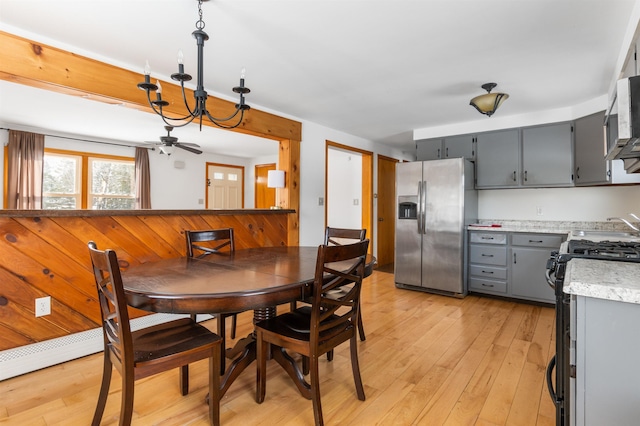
{"x": 488, "y": 103}
{"x": 200, "y": 109}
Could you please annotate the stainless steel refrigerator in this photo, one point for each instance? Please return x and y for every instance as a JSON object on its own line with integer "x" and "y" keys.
{"x": 436, "y": 202}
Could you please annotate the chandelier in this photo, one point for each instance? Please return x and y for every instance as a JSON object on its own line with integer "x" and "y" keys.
{"x": 199, "y": 110}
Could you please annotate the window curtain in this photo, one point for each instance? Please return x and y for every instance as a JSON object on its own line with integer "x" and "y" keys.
{"x": 25, "y": 170}
{"x": 143, "y": 179}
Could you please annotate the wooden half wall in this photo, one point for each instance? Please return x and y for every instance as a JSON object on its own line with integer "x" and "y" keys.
{"x": 44, "y": 253}
{"x": 35, "y": 64}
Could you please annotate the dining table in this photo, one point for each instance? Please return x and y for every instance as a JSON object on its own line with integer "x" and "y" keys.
{"x": 257, "y": 279}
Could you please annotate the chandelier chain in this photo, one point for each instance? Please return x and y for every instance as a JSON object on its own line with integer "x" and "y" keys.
{"x": 200, "y": 23}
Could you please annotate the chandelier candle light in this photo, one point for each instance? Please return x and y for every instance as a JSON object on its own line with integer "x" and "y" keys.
{"x": 200, "y": 109}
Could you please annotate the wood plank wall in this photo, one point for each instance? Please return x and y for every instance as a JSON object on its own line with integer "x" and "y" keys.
{"x": 47, "y": 256}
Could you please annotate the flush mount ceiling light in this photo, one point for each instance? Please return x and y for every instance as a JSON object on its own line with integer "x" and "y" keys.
{"x": 488, "y": 103}
{"x": 199, "y": 111}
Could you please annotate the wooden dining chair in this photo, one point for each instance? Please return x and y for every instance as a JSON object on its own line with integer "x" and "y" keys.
{"x": 337, "y": 237}
{"x": 332, "y": 320}
{"x": 210, "y": 242}
{"x": 148, "y": 351}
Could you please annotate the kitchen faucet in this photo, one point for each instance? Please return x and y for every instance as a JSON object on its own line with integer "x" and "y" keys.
{"x": 629, "y": 224}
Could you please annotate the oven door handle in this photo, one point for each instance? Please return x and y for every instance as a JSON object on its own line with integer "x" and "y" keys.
{"x": 552, "y": 391}
{"x": 550, "y": 281}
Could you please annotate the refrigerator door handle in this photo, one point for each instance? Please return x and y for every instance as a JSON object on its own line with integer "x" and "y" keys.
{"x": 419, "y": 213}
{"x": 423, "y": 206}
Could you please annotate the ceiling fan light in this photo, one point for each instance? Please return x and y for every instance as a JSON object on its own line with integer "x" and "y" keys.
{"x": 488, "y": 103}
{"x": 167, "y": 149}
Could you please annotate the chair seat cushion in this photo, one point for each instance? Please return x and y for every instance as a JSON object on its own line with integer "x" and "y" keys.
{"x": 170, "y": 338}
{"x": 297, "y": 324}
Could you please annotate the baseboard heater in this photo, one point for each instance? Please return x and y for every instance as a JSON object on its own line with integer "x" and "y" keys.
{"x": 25, "y": 359}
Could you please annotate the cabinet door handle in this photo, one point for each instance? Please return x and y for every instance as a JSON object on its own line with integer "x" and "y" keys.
{"x": 514, "y": 259}
{"x": 487, "y": 285}
{"x": 487, "y": 255}
{"x": 536, "y": 241}
{"x": 578, "y": 172}
{"x": 446, "y": 152}
{"x": 439, "y": 153}
{"x": 514, "y": 175}
{"x": 487, "y": 238}
{"x": 525, "y": 175}
{"x": 487, "y": 272}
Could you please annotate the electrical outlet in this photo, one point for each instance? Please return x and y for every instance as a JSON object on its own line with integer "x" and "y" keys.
{"x": 43, "y": 306}
{"x": 539, "y": 210}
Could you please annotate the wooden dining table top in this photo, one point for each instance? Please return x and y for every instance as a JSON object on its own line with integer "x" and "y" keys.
{"x": 224, "y": 283}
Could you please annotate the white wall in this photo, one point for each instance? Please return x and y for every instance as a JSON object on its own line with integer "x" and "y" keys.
{"x": 344, "y": 189}
{"x": 560, "y": 204}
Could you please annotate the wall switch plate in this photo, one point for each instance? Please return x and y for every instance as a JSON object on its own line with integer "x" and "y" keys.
{"x": 43, "y": 306}
{"x": 539, "y": 210}
{"x": 321, "y": 201}
{"x": 356, "y": 201}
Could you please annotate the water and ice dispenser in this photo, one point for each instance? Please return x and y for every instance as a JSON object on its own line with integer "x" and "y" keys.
{"x": 408, "y": 207}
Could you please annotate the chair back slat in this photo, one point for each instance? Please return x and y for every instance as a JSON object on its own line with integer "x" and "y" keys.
{"x": 112, "y": 301}
{"x": 341, "y": 236}
{"x": 218, "y": 240}
{"x": 336, "y": 292}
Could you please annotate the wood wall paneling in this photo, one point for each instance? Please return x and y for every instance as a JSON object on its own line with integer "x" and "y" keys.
{"x": 48, "y": 256}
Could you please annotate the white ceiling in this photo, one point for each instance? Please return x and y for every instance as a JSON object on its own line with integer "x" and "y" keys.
{"x": 377, "y": 69}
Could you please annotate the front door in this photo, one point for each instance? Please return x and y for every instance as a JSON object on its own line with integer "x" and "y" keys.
{"x": 225, "y": 186}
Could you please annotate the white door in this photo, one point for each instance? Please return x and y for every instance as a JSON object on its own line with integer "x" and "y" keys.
{"x": 225, "y": 186}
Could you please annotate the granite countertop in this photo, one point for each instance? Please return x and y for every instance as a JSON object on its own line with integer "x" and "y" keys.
{"x": 543, "y": 227}
{"x": 618, "y": 281}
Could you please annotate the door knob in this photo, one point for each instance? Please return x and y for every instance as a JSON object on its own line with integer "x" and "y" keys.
{"x": 380, "y": 219}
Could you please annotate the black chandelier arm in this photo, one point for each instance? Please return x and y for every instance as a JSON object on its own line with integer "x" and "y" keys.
{"x": 158, "y": 110}
{"x": 217, "y": 121}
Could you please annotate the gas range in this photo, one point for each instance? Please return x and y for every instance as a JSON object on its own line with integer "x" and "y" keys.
{"x": 604, "y": 250}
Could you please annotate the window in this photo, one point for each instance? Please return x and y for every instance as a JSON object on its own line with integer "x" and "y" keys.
{"x": 75, "y": 180}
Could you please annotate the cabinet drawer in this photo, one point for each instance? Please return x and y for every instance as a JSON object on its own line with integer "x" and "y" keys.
{"x": 488, "y": 255}
{"x": 487, "y": 285}
{"x": 488, "y": 238}
{"x": 488, "y": 272}
{"x": 537, "y": 240}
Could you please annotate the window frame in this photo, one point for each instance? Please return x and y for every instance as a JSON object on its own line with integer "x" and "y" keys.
{"x": 84, "y": 169}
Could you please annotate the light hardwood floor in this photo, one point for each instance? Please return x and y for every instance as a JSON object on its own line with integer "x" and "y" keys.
{"x": 427, "y": 360}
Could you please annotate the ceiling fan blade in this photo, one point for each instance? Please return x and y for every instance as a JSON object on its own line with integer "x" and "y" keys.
{"x": 187, "y": 148}
{"x": 195, "y": 145}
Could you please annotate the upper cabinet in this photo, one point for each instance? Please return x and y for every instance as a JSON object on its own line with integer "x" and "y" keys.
{"x": 538, "y": 156}
{"x": 590, "y": 150}
{"x": 498, "y": 159}
{"x": 547, "y": 158}
{"x": 449, "y": 147}
{"x": 593, "y": 137}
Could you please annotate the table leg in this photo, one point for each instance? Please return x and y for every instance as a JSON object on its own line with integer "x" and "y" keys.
{"x": 244, "y": 351}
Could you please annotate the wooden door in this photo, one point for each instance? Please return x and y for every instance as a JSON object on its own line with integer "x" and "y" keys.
{"x": 225, "y": 186}
{"x": 265, "y": 197}
{"x": 386, "y": 209}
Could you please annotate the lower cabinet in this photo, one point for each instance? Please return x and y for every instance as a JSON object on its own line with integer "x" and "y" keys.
{"x": 512, "y": 264}
{"x": 607, "y": 373}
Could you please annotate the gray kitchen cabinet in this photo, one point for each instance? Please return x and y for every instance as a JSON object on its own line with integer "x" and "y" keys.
{"x": 511, "y": 264}
{"x": 607, "y": 374}
{"x": 428, "y": 149}
{"x": 459, "y": 147}
{"x": 590, "y": 149}
{"x": 529, "y": 255}
{"x": 547, "y": 155}
{"x": 488, "y": 262}
{"x": 498, "y": 159}
{"x": 449, "y": 147}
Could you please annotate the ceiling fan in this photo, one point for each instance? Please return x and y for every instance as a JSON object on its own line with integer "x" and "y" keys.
{"x": 168, "y": 142}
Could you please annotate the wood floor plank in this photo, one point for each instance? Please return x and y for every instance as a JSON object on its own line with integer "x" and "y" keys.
{"x": 428, "y": 360}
